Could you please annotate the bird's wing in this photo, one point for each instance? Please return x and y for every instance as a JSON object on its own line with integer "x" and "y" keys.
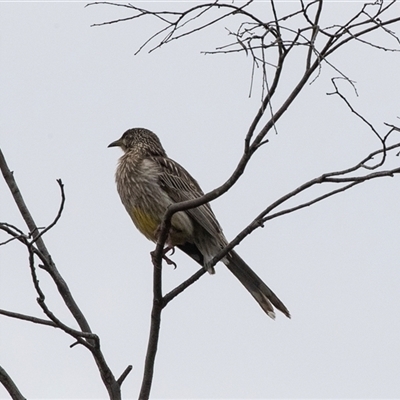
{"x": 181, "y": 186}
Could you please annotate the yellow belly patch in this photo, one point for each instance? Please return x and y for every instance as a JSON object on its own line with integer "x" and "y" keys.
{"x": 146, "y": 223}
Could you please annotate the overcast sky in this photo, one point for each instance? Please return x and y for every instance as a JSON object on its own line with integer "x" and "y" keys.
{"x": 68, "y": 90}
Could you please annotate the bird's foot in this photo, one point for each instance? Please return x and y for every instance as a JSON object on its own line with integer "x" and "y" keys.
{"x": 209, "y": 269}
{"x": 168, "y": 260}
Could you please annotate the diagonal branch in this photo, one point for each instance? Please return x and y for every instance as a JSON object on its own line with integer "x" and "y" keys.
{"x": 10, "y": 386}
{"x": 48, "y": 262}
{"x": 85, "y": 336}
{"x": 29, "y": 318}
{"x": 336, "y": 177}
{"x": 184, "y": 285}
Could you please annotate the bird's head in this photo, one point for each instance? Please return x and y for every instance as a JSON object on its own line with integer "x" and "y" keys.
{"x": 140, "y": 140}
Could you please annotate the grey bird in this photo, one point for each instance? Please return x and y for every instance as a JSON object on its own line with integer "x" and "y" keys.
{"x": 148, "y": 182}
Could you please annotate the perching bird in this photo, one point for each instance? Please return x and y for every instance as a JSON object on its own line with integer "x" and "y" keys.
{"x": 148, "y": 182}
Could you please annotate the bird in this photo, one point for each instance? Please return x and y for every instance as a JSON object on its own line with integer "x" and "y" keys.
{"x": 148, "y": 182}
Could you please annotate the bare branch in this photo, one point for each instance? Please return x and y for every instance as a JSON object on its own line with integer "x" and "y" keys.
{"x": 41, "y": 301}
{"x": 365, "y": 121}
{"x": 121, "y": 379}
{"x": 14, "y": 232}
{"x": 155, "y": 322}
{"x": 29, "y": 318}
{"x": 10, "y": 386}
{"x": 184, "y": 285}
{"x": 85, "y": 336}
{"x": 46, "y": 258}
{"x": 58, "y": 216}
{"x": 360, "y": 34}
{"x": 337, "y": 177}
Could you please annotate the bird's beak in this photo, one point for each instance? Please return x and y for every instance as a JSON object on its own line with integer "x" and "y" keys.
{"x": 117, "y": 143}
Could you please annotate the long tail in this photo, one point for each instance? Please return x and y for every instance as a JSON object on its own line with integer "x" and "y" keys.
{"x": 264, "y": 296}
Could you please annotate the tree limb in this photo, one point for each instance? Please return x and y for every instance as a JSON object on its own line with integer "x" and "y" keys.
{"x": 10, "y": 386}
{"x": 49, "y": 264}
{"x": 84, "y": 337}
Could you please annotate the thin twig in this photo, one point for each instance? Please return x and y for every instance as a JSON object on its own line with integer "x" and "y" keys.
{"x": 325, "y": 178}
{"x": 58, "y": 216}
{"x": 29, "y": 318}
{"x": 121, "y": 379}
{"x": 184, "y": 285}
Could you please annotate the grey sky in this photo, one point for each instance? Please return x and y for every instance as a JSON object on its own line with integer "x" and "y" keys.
{"x": 68, "y": 90}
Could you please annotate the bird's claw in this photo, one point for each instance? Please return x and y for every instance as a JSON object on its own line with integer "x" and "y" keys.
{"x": 169, "y": 261}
